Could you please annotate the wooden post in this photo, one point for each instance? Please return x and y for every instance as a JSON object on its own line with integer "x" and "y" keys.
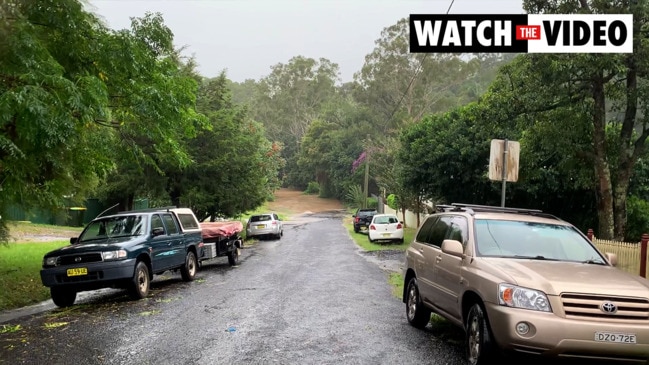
{"x": 643, "y": 255}
{"x": 590, "y": 234}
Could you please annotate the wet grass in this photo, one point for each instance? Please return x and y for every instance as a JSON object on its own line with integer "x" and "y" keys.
{"x": 20, "y": 280}
{"x": 396, "y": 280}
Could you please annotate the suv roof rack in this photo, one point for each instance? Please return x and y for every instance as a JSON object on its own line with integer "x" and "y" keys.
{"x": 473, "y": 208}
{"x": 149, "y": 210}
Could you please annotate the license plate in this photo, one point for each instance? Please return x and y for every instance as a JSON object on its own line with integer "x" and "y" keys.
{"x": 386, "y": 235}
{"x": 615, "y": 337}
{"x": 78, "y": 271}
{"x": 259, "y": 226}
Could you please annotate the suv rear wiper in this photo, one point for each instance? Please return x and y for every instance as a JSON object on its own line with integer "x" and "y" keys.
{"x": 538, "y": 257}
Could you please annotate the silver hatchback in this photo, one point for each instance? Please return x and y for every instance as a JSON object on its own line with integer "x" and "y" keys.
{"x": 267, "y": 224}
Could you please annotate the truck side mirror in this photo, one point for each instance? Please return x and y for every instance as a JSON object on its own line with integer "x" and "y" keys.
{"x": 73, "y": 240}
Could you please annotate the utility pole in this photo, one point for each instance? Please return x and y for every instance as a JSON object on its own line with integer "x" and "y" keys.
{"x": 504, "y": 176}
{"x": 367, "y": 172}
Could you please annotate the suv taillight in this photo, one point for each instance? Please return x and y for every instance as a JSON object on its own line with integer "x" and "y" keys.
{"x": 274, "y": 223}
{"x": 357, "y": 219}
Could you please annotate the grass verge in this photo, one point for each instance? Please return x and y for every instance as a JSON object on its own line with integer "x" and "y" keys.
{"x": 396, "y": 280}
{"x": 362, "y": 240}
{"x": 20, "y": 280}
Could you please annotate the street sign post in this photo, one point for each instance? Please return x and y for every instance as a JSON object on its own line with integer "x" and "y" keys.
{"x": 503, "y": 163}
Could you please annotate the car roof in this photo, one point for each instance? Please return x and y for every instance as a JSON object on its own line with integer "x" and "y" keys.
{"x": 501, "y": 213}
{"x": 384, "y": 215}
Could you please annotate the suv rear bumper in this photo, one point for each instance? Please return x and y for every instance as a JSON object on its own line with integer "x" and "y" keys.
{"x": 553, "y": 335}
{"x": 100, "y": 275}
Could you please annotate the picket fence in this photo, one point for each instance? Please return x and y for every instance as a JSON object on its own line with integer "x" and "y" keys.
{"x": 631, "y": 256}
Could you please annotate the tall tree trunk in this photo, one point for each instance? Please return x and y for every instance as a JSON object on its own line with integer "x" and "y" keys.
{"x": 628, "y": 151}
{"x": 602, "y": 168}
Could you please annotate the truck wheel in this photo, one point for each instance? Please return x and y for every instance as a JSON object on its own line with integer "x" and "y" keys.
{"x": 139, "y": 285}
{"x": 479, "y": 348}
{"x": 233, "y": 257}
{"x": 188, "y": 271}
{"x": 418, "y": 315}
{"x": 63, "y": 297}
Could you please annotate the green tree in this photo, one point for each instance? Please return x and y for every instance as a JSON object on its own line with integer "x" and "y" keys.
{"x": 52, "y": 100}
{"x": 607, "y": 89}
{"x": 235, "y": 167}
{"x": 289, "y": 99}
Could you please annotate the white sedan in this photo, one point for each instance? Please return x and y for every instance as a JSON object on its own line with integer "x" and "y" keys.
{"x": 385, "y": 227}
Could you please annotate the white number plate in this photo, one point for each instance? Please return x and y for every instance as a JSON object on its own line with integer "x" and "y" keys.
{"x": 615, "y": 337}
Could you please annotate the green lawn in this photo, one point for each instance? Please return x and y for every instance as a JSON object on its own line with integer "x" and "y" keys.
{"x": 20, "y": 280}
{"x": 362, "y": 240}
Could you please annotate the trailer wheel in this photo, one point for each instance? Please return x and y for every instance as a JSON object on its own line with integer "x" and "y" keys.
{"x": 233, "y": 256}
{"x": 188, "y": 270}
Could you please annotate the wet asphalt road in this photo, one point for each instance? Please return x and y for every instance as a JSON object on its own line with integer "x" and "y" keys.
{"x": 310, "y": 298}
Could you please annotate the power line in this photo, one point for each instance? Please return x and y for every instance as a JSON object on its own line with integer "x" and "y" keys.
{"x": 419, "y": 68}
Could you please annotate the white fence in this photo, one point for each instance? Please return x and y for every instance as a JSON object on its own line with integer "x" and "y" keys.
{"x": 411, "y": 218}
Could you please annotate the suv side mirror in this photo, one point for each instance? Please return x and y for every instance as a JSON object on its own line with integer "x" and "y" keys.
{"x": 612, "y": 258}
{"x": 73, "y": 240}
{"x": 453, "y": 248}
{"x": 157, "y": 231}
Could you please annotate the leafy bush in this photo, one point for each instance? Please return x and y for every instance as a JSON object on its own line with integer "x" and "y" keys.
{"x": 637, "y": 218}
{"x": 393, "y": 201}
{"x": 355, "y": 196}
{"x": 312, "y": 188}
{"x": 372, "y": 203}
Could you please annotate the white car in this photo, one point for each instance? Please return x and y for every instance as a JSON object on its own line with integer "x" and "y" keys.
{"x": 267, "y": 224}
{"x": 385, "y": 227}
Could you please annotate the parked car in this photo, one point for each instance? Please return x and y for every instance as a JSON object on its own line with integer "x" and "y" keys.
{"x": 523, "y": 280}
{"x": 267, "y": 224}
{"x": 362, "y": 218}
{"x": 385, "y": 227}
{"x": 124, "y": 250}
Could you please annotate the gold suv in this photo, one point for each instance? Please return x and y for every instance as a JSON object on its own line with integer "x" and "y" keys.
{"x": 523, "y": 280}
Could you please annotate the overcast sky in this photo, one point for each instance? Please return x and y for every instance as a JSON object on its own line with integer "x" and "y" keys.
{"x": 246, "y": 37}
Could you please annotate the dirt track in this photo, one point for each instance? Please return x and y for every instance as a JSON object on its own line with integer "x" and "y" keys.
{"x": 296, "y": 202}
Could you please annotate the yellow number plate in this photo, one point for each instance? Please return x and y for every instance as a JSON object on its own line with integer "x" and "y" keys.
{"x": 386, "y": 235}
{"x": 260, "y": 226}
{"x": 78, "y": 271}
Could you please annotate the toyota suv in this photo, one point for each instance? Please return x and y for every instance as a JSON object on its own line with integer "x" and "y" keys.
{"x": 520, "y": 280}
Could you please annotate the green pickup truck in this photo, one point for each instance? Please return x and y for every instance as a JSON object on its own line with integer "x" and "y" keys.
{"x": 124, "y": 250}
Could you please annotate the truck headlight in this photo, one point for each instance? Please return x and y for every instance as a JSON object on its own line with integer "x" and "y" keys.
{"x": 113, "y": 255}
{"x": 517, "y": 297}
{"x": 50, "y": 261}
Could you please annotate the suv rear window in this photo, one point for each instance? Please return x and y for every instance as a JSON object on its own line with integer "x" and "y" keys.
{"x": 260, "y": 218}
{"x": 364, "y": 213}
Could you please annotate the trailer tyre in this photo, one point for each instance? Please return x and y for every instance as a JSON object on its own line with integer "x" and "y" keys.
{"x": 188, "y": 270}
{"x": 233, "y": 257}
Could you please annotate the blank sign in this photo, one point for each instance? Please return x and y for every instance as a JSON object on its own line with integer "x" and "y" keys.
{"x": 496, "y": 160}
